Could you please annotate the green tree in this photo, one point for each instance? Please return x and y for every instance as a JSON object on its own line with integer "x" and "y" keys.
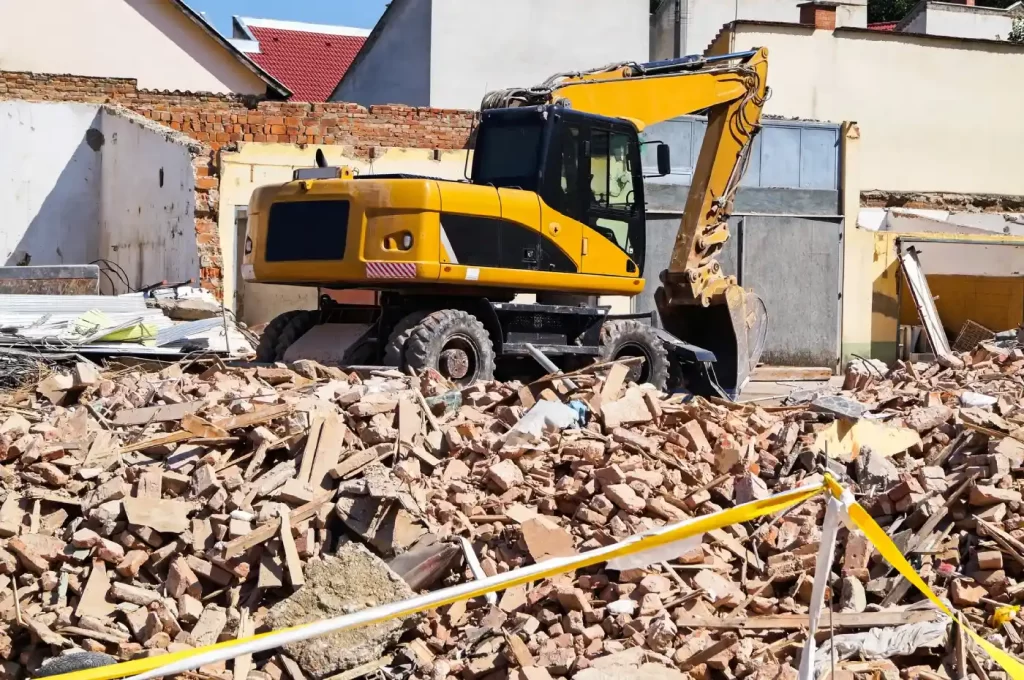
{"x": 888, "y": 10}
{"x": 1017, "y": 32}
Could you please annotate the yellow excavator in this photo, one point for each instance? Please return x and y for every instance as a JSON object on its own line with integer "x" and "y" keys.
{"x": 554, "y": 206}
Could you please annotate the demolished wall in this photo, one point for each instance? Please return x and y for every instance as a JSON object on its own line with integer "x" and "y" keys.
{"x": 89, "y": 182}
{"x": 148, "y": 202}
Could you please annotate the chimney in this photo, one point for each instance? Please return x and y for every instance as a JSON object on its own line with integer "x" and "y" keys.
{"x": 821, "y": 15}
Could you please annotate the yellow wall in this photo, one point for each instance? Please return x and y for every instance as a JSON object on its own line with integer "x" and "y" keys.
{"x": 932, "y": 111}
{"x": 996, "y": 302}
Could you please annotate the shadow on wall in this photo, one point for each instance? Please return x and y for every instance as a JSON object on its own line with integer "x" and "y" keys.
{"x": 65, "y": 228}
{"x": 192, "y": 41}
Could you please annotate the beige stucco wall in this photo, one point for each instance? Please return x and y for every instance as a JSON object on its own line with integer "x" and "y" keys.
{"x": 150, "y": 40}
{"x": 932, "y": 112}
{"x": 256, "y": 165}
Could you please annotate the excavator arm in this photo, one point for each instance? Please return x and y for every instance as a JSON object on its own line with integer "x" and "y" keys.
{"x": 697, "y": 302}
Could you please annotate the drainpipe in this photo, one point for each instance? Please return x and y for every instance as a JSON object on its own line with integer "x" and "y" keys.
{"x": 677, "y": 42}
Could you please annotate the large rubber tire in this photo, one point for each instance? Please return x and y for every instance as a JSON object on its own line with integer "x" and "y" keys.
{"x": 620, "y": 339}
{"x": 298, "y": 326}
{"x": 451, "y": 330}
{"x": 266, "y": 351}
{"x": 394, "y": 351}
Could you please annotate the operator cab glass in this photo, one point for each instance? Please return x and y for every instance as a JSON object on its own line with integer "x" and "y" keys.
{"x": 584, "y": 166}
{"x": 508, "y": 153}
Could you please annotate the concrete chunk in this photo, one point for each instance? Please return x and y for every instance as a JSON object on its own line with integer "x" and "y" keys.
{"x": 352, "y": 580}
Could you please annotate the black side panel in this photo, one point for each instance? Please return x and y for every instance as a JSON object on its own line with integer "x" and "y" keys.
{"x": 307, "y": 230}
{"x": 494, "y": 242}
{"x": 554, "y": 259}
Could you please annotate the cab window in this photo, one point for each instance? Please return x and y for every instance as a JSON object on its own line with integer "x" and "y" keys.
{"x": 611, "y": 180}
{"x": 612, "y": 194}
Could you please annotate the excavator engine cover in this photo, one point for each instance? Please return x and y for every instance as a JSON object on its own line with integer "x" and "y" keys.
{"x": 733, "y": 327}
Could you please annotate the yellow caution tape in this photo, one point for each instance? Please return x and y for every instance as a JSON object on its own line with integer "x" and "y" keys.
{"x": 877, "y": 536}
{"x": 179, "y": 662}
{"x": 1004, "y": 614}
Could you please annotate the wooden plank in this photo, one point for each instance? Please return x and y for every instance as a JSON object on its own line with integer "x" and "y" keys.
{"x": 155, "y": 414}
{"x": 925, "y": 532}
{"x": 408, "y": 421}
{"x": 243, "y": 662}
{"x": 202, "y": 428}
{"x": 266, "y": 531}
{"x": 354, "y": 462}
{"x": 736, "y": 548}
{"x": 291, "y": 554}
{"x": 163, "y": 440}
{"x": 614, "y": 382}
{"x": 309, "y": 452}
{"x": 727, "y": 642}
{"x": 779, "y": 373}
{"x": 798, "y": 621}
{"x": 232, "y": 423}
{"x": 103, "y": 452}
{"x": 328, "y": 452}
{"x": 255, "y": 418}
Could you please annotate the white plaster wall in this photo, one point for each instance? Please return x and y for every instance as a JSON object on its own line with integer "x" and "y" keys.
{"x": 701, "y": 20}
{"x": 150, "y": 40}
{"x": 932, "y": 112}
{"x": 147, "y": 228}
{"x": 967, "y": 22}
{"x": 478, "y": 46}
{"x": 49, "y": 182}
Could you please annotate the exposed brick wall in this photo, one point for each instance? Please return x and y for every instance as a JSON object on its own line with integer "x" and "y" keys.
{"x": 221, "y": 121}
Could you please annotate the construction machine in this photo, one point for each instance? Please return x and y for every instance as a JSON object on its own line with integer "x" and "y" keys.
{"x": 554, "y": 207}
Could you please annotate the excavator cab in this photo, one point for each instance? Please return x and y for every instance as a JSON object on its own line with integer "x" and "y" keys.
{"x": 585, "y": 167}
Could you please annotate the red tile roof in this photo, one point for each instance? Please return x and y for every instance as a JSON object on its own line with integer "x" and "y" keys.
{"x": 887, "y": 26}
{"x": 309, "y": 64}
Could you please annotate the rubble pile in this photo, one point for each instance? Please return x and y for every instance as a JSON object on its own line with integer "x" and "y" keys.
{"x": 143, "y": 513}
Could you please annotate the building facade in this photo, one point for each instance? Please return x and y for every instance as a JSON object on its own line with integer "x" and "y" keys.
{"x": 161, "y": 44}
{"x": 450, "y": 53}
{"x": 682, "y": 27}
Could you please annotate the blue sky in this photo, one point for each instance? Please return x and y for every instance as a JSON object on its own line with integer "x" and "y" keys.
{"x": 359, "y": 13}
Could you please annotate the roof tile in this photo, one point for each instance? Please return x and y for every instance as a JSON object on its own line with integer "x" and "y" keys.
{"x": 309, "y": 64}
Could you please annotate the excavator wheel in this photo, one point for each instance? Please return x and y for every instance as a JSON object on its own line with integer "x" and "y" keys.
{"x": 266, "y": 351}
{"x": 455, "y": 344}
{"x": 395, "y": 348}
{"x": 621, "y": 339}
{"x": 296, "y": 327}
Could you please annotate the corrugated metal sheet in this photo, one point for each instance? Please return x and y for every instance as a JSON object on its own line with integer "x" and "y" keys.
{"x": 70, "y": 304}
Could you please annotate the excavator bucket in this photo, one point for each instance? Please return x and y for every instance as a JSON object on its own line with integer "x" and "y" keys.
{"x": 733, "y": 327}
